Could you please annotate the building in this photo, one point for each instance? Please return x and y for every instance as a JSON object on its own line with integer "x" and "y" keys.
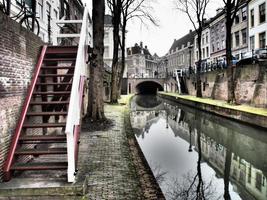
{"x": 217, "y": 36}
{"x": 162, "y": 67}
{"x": 140, "y": 63}
{"x": 257, "y": 24}
{"x": 108, "y": 40}
{"x": 48, "y": 12}
{"x": 181, "y": 53}
{"x": 205, "y": 44}
{"x": 240, "y": 32}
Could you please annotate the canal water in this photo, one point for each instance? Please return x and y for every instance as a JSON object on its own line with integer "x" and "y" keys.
{"x": 195, "y": 154}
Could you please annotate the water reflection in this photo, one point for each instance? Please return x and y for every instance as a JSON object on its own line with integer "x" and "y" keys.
{"x": 195, "y": 155}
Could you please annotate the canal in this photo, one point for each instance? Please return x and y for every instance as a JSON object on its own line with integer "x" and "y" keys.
{"x": 195, "y": 154}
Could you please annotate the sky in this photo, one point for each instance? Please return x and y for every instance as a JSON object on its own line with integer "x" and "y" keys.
{"x": 173, "y": 24}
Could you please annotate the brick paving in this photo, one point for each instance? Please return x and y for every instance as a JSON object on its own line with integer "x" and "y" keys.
{"x": 106, "y": 161}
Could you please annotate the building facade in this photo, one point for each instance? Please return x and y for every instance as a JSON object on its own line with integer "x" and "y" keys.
{"x": 48, "y": 12}
{"x": 140, "y": 63}
{"x": 257, "y": 24}
{"x": 240, "y": 33}
{"x": 181, "y": 54}
{"x": 217, "y": 37}
{"x": 205, "y": 44}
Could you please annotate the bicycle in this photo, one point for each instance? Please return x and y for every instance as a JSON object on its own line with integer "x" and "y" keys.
{"x": 26, "y": 16}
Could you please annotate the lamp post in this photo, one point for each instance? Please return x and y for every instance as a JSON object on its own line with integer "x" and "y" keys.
{"x": 190, "y": 58}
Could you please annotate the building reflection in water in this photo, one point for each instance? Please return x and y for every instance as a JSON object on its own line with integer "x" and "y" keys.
{"x": 208, "y": 156}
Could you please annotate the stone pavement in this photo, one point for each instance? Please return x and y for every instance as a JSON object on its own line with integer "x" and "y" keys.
{"x": 105, "y": 160}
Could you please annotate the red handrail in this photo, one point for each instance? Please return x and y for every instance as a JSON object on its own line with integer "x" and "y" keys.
{"x": 25, "y": 107}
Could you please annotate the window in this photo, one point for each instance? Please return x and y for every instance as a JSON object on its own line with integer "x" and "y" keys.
{"x": 237, "y": 39}
{"x": 237, "y": 18}
{"x": 223, "y": 44}
{"x": 207, "y": 38}
{"x": 207, "y": 51}
{"x": 232, "y": 40}
{"x": 252, "y": 18}
{"x": 106, "y": 38}
{"x": 55, "y": 13}
{"x": 40, "y": 9}
{"x": 262, "y": 13}
{"x": 262, "y": 40}
{"x": 244, "y": 14}
{"x": 218, "y": 46}
{"x": 252, "y": 42}
{"x": 244, "y": 36}
{"x": 258, "y": 181}
{"x": 106, "y": 53}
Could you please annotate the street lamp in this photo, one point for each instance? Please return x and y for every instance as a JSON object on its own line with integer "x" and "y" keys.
{"x": 190, "y": 58}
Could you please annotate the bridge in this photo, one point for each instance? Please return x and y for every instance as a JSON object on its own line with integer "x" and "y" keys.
{"x": 149, "y": 85}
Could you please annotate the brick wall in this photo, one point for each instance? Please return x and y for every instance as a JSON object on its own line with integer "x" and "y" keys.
{"x": 250, "y": 87}
{"x": 19, "y": 51}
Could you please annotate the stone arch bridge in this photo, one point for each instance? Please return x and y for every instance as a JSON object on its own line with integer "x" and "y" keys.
{"x": 149, "y": 85}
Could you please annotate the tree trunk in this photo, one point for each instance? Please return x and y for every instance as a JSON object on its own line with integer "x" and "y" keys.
{"x": 122, "y": 55}
{"x": 227, "y": 164}
{"x": 230, "y": 69}
{"x": 115, "y": 62}
{"x": 199, "y": 91}
{"x": 95, "y": 108}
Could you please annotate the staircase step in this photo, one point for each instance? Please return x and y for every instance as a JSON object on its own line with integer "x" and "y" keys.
{"x": 58, "y": 67}
{"x": 40, "y": 166}
{"x": 62, "y": 50}
{"x": 41, "y": 152}
{"x": 52, "y": 93}
{"x": 58, "y": 59}
{"x": 55, "y": 75}
{"x": 46, "y": 113}
{"x": 49, "y": 102}
{"x": 44, "y": 125}
{"x": 44, "y": 84}
{"x": 32, "y": 139}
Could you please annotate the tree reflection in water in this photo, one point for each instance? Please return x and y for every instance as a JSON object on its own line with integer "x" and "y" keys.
{"x": 192, "y": 187}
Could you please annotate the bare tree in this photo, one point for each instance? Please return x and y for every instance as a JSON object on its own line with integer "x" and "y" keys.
{"x": 115, "y": 7}
{"x": 193, "y": 186}
{"x": 231, "y": 8}
{"x": 195, "y": 10}
{"x": 140, "y": 9}
{"x": 95, "y": 108}
{"x": 129, "y": 9}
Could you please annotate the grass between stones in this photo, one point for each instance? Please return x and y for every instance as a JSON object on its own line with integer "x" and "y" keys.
{"x": 222, "y": 104}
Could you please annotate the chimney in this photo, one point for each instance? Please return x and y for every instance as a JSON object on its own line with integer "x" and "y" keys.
{"x": 141, "y": 44}
{"x": 145, "y": 47}
{"x": 190, "y": 31}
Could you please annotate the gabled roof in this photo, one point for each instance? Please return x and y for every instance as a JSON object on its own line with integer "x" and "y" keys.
{"x": 183, "y": 41}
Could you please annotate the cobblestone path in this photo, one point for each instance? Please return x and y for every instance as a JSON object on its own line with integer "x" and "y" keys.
{"x": 107, "y": 163}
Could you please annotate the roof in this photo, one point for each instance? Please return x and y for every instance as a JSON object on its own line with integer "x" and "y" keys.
{"x": 183, "y": 41}
{"x": 139, "y": 49}
{"x": 108, "y": 20}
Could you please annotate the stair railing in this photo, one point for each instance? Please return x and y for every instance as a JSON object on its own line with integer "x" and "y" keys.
{"x": 15, "y": 138}
{"x": 74, "y": 113}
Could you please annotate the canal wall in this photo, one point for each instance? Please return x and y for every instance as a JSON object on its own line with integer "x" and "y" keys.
{"x": 19, "y": 49}
{"x": 231, "y": 113}
{"x": 250, "y": 84}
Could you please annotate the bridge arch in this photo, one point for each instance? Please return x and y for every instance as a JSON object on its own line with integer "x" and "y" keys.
{"x": 149, "y": 87}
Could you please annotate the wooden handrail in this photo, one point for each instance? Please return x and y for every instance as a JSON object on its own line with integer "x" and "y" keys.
{"x": 25, "y": 107}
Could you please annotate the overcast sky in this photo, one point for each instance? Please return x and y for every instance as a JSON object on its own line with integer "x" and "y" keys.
{"x": 173, "y": 24}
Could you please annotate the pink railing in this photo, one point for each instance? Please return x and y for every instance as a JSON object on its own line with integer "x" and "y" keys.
{"x": 14, "y": 142}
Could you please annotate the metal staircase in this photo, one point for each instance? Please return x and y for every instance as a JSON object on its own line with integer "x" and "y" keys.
{"x": 49, "y": 124}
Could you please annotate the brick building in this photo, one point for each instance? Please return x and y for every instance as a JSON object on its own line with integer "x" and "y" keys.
{"x": 181, "y": 53}
{"x": 140, "y": 63}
